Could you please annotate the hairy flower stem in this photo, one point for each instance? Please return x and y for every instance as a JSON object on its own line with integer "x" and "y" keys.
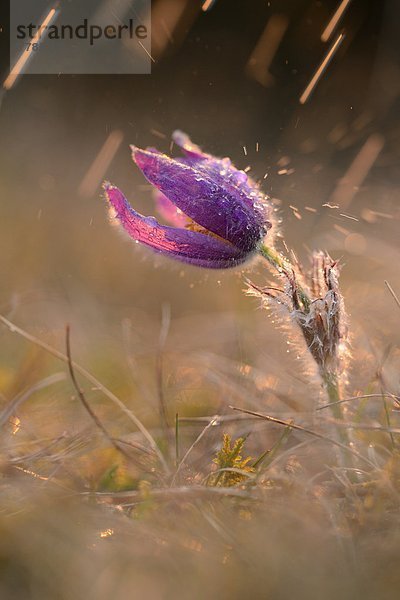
{"x": 333, "y": 389}
{"x": 274, "y": 259}
{"x": 303, "y": 305}
{"x": 283, "y": 267}
{"x": 332, "y": 386}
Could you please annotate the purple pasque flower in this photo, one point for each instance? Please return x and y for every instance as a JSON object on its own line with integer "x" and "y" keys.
{"x": 218, "y": 217}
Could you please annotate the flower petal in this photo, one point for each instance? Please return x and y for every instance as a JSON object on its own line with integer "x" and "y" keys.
{"x": 182, "y": 140}
{"x": 222, "y": 209}
{"x": 169, "y": 211}
{"x": 188, "y": 246}
{"x": 222, "y": 170}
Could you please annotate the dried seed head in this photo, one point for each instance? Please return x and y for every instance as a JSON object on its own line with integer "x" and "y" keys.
{"x": 323, "y": 326}
{"x": 314, "y": 302}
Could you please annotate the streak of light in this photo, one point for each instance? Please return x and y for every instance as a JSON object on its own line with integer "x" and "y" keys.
{"x": 147, "y": 52}
{"x": 207, "y": 5}
{"x": 337, "y": 133}
{"x": 329, "y": 29}
{"x": 257, "y": 146}
{"x": 341, "y": 229}
{"x": 371, "y": 216}
{"x": 106, "y": 533}
{"x": 349, "y": 217}
{"x": 263, "y": 54}
{"x": 391, "y": 290}
{"x": 321, "y": 69}
{"x": 193, "y": 545}
{"x": 294, "y": 257}
{"x": 284, "y": 161}
{"x": 245, "y": 150}
{"x": 96, "y": 171}
{"x": 32, "y": 473}
{"x": 113, "y": 11}
{"x": 158, "y": 134}
{"x": 168, "y": 33}
{"x": 27, "y": 52}
{"x": 171, "y": 20}
{"x": 15, "y": 424}
{"x": 296, "y": 212}
{"x": 358, "y": 171}
{"x": 310, "y": 209}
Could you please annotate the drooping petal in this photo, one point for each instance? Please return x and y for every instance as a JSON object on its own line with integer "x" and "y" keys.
{"x": 221, "y": 209}
{"x": 182, "y": 140}
{"x": 168, "y": 211}
{"x": 188, "y": 246}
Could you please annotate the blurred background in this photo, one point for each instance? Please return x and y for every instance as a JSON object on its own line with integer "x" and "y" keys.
{"x": 305, "y": 96}
{"x": 303, "y": 93}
